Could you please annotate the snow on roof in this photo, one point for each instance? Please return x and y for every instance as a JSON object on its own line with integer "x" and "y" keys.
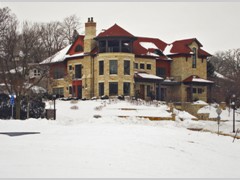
{"x": 148, "y": 76}
{"x": 167, "y": 49}
{"x": 58, "y": 57}
{"x": 152, "y": 54}
{"x": 148, "y": 45}
{"x": 75, "y": 55}
{"x": 201, "y": 80}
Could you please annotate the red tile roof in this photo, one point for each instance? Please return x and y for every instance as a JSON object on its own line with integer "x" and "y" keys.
{"x": 155, "y": 44}
{"x": 139, "y": 49}
{"x": 196, "y": 79}
{"x": 201, "y": 52}
{"x": 182, "y": 47}
{"x": 115, "y": 31}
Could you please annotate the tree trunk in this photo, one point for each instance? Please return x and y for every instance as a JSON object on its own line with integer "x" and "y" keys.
{"x": 18, "y": 107}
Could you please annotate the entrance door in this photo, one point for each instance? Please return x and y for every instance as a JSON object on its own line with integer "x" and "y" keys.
{"x": 142, "y": 91}
{"x": 163, "y": 94}
{"x": 79, "y": 92}
{"x": 189, "y": 95}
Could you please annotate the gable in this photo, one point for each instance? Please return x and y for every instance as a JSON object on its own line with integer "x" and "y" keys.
{"x": 185, "y": 46}
{"x": 77, "y": 46}
{"x": 115, "y": 31}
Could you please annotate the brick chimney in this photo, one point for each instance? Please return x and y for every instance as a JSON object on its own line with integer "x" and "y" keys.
{"x": 90, "y": 33}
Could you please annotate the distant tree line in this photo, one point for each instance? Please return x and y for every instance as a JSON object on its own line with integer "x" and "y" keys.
{"x": 227, "y": 64}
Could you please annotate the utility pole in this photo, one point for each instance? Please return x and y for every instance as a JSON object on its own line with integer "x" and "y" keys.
{"x": 233, "y": 106}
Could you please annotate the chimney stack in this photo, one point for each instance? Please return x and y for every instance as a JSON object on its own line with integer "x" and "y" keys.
{"x": 90, "y": 33}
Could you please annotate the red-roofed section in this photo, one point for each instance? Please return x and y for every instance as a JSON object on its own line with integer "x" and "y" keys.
{"x": 78, "y": 41}
{"x": 140, "y": 49}
{"x": 149, "y": 46}
{"x": 190, "y": 78}
{"x": 203, "y": 53}
{"x": 182, "y": 47}
{"x": 115, "y": 31}
{"x": 196, "y": 79}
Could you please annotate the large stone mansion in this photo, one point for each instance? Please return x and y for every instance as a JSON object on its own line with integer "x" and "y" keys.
{"x": 115, "y": 62}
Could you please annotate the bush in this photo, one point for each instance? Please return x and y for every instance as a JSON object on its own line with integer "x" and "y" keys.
{"x": 104, "y": 97}
{"x": 121, "y": 97}
{"x": 36, "y": 107}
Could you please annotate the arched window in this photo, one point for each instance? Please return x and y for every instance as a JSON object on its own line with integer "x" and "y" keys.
{"x": 194, "y": 58}
{"x": 78, "y": 48}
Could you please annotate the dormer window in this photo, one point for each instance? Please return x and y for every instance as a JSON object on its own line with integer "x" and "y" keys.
{"x": 78, "y": 48}
{"x": 194, "y": 58}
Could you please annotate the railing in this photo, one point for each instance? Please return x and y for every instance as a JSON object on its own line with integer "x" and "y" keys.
{"x": 114, "y": 49}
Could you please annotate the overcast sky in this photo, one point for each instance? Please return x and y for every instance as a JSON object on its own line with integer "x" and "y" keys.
{"x": 215, "y": 24}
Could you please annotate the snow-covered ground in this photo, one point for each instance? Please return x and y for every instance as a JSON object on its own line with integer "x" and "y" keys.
{"x": 79, "y": 145}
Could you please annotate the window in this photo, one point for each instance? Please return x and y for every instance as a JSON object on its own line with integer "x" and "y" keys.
{"x": 102, "y": 46}
{"x": 142, "y": 66}
{"x": 161, "y": 72}
{"x": 194, "y": 90}
{"x": 70, "y": 89}
{"x": 36, "y": 72}
{"x": 78, "y": 48}
{"x": 126, "y": 88}
{"x": 126, "y": 67}
{"x": 113, "y": 88}
{"x": 101, "y": 67}
{"x": 136, "y": 65}
{"x": 113, "y": 46}
{"x": 58, "y": 73}
{"x": 200, "y": 90}
{"x": 58, "y": 91}
{"x": 194, "y": 58}
{"x": 149, "y": 66}
{"x": 113, "y": 67}
{"x": 126, "y": 46}
{"x": 101, "y": 89}
{"x": 70, "y": 67}
{"x": 78, "y": 71}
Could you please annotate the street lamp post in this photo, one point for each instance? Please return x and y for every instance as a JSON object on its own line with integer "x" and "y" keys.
{"x": 54, "y": 106}
{"x": 219, "y": 111}
{"x": 233, "y": 106}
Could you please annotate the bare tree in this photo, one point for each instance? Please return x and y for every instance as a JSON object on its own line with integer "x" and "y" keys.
{"x": 16, "y": 59}
{"x": 70, "y": 24}
{"x": 227, "y": 63}
{"x": 21, "y": 51}
{"x": 52, "y": 37}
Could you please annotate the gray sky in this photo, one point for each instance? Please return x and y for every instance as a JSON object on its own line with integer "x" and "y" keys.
{"x": 215, "y": 24}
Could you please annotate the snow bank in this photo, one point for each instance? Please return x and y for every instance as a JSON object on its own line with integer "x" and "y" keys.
{"x": 200, "y": 102}
{"x": 77, "y": 145}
